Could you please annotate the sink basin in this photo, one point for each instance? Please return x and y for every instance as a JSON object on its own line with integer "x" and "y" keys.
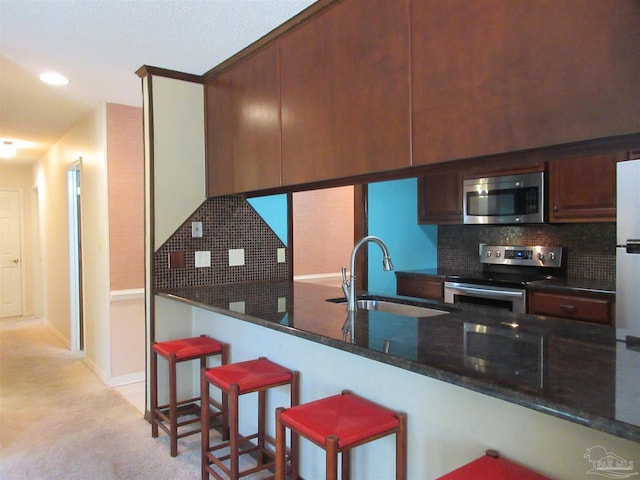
{"x": 398, "y": 308}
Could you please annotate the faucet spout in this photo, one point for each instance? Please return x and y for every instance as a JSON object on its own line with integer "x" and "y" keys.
{"x": 350, "y": 287}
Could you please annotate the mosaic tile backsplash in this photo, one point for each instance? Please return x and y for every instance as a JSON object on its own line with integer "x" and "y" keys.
{"x": 228, "y": 223}
{"x": 590, "y": 247}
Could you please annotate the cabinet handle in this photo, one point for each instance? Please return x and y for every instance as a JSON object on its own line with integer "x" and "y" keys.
{"x": 555, "y": 208}
{"x": 568, "y": 308}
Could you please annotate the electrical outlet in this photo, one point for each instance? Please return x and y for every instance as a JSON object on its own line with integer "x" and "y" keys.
{"x": 196, "y": 229}
{"x": 282, "y": 257}
{"x": 238, "y": 307}
{"x": 236, "y": 257}
{"x": 282, "y": 304}
{"x": 202, "y": 259}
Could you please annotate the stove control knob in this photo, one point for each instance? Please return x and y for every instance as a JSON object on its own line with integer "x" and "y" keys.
{"x": 552, "y": 256}
{"x": 488, "y": 253}
{"x": 498, "y": 254}
{"x": 541, "y": 257}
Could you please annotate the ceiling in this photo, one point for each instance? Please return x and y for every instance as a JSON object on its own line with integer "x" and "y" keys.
{"x": 99, "y": 45}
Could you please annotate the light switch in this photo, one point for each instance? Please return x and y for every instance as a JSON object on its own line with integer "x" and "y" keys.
{"x": 236, "y": 257}
{"x": 282, "y": 255}
{"x": 203, "y": 259}
{"x": 196, "y": 229}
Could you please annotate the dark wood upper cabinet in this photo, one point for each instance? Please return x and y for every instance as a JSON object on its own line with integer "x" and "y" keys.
{"x": 583, "y": 189}
{"x": 440, "y": 198}
{"x": 492, "y": 77}
{"x": 243, "y": 126}
{"x": 346, "y": 92}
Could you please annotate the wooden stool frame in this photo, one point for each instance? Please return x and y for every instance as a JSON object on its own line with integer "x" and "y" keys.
{"x": 332, "y": 449}
{"x": 166, "y": 416}
{"x": 242, "y": 445}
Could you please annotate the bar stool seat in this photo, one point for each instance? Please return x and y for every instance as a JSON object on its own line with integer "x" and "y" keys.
{"x": 492, "y": 467}
{"x": 233, "y": 380}
{"x": 338, "y": 424}
{"x": 166, "y": 417}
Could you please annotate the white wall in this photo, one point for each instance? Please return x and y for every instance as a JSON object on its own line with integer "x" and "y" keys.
{"x": 86, "y": 140}
{"x": 179, "y": 161}
{"x": 174, "y": 151}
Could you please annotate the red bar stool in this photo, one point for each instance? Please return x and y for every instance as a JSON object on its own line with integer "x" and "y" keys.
{"x": 166, "y": 416}
{"x": 234, "y": 380}
{"x": 338, "y": 424}
{"x": 492, "y": 467}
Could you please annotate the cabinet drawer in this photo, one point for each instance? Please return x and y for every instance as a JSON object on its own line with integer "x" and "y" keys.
{"x": 597, "y": 310}
{"x": 411, "y": 286}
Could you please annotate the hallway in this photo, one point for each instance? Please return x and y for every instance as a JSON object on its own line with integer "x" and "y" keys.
{"x": 59, "y": 421}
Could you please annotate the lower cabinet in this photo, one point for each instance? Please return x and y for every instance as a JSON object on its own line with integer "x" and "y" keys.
{"x": 431, "y": 288}
{"x": 586, "y": 307}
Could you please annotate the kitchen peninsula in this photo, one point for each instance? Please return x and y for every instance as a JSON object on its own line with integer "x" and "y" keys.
{"x": 573, "y": 375}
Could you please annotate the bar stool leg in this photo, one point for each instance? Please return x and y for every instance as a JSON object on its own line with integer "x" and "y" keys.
{"x": 262, "y": 402}
{"x": 173, "y": 407}
{"x": 280, "y": 448}
{"x": 294, "y": 452}
{"x": 401, "y": 448}
{"x": 154, "y": 393}
{"x": 331, "y": 447}
{"x": 204, "y": 413}
{"x": 346, "y": 464}
{"x": 234, "y": 463}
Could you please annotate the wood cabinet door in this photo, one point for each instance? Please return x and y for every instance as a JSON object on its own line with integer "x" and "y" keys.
{"x": 243, "y": 126}
{"x": 594, "y": 309}
{"x": 440, "y": 198}
{"x": 583, "y": 189}
{"x": 345, "y": 92}
{"x": 501, "y": 76}
{"x": 420, "y": 287}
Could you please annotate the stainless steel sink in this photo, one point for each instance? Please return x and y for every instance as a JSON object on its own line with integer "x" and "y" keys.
{"x": 398, "y": 308}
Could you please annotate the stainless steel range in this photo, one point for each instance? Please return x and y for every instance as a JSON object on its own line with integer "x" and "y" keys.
{"x": 506, "y": 272}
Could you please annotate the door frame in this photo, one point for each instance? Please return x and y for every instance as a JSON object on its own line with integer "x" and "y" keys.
{"x": 75, "y": 257}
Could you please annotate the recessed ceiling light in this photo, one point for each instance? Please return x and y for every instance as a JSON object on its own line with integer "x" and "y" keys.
{"x": 53, "y": 78}
{"x": 7, "y": 149}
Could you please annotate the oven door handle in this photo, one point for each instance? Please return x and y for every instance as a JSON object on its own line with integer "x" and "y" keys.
{"x": 485, "y": 291}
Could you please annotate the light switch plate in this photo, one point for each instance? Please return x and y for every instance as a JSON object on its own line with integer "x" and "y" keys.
{"x": 196, "y": 229}
{"x": 236, "y": 257}
{"x": 281, "y": 255}
{"x": 203, "y": 259}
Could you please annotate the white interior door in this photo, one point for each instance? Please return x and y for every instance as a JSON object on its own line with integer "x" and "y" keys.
{"x": 10, "y": 254}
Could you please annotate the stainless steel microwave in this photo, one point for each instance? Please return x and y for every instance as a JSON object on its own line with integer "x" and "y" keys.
{"x": 509, "y": 199}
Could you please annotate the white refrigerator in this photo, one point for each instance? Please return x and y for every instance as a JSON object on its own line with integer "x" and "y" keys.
{"x": 628, "y": 250}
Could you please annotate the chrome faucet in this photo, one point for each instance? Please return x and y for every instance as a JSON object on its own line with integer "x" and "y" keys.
{"x": 349, "y": 287}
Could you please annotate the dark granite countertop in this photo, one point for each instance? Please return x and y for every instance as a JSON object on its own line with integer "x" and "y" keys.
{"x": 567, "y": 369}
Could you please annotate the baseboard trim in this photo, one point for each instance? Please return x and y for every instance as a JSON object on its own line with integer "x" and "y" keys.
{"x": 126, "y": 379}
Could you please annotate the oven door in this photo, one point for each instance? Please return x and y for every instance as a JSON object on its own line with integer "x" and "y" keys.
{"x": 512, "y": 299}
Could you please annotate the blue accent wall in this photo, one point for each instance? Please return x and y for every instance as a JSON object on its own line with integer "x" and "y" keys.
{"x": 273, "y": 210}
{"x": 393, "y": 218}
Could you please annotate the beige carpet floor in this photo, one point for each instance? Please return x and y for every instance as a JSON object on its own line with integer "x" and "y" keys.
{"x": 59, "y": 421}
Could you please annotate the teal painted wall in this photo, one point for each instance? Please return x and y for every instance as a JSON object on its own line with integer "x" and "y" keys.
{"x": 393, "y": 218}
{"x": 273, "y": 210}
